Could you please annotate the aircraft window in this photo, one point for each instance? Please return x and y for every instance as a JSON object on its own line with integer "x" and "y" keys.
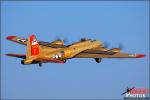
{"x": 61, "y": 51}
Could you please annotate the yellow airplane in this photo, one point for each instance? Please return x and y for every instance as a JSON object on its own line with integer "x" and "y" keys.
{"x": 39, "y": 52}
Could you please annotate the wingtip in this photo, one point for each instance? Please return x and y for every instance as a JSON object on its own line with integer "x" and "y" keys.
{"x": 140, "y": 55}
{"x": 10, "y": 37}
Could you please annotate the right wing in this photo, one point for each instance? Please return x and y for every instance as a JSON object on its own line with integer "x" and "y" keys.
{"x": 116, "y": 55}
{"x": 103, "y": 52}
{"x": 100, "y": 50}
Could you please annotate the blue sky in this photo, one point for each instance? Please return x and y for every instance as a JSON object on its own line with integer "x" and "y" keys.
{"x": 113, "y": 22}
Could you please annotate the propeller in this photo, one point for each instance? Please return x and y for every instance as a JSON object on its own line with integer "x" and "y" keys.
{"x": 120, "y": 46}
{"x": 58, "y": 38}
{"x": 83, "y": 39}
{"x": 105, "y": 44}
{"x": 65, "y": 40}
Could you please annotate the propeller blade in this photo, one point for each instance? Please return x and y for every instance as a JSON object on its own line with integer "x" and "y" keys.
{"x": 65, "y": 40}
{"x": 83, "y": 39}
{"x": 58, "y": 38}
{"x": 120, "y": 46}
{"x": 105, "y": 44}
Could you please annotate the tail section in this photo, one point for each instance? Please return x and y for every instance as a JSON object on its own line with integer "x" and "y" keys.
{"x": 33, "y": 48}
{"x": 34, "y": 51}
{"x": 34, "y": 45}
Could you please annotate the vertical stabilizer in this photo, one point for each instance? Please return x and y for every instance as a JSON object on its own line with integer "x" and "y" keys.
{"x": 32, "y": 47}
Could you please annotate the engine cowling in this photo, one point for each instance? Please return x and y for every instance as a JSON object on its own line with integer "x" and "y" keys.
{"x": 115, "y": 50}
{"x": 58, "y": 42}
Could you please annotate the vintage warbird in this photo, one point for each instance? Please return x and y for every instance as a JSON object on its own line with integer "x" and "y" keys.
{"x": 39, "y": 52}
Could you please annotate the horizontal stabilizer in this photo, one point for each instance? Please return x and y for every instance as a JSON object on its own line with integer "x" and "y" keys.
{"x": 17, "y": 39}
{"x": 23, "y": 56}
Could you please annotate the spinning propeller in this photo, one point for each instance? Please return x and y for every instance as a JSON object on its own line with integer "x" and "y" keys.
{"x": 65, "y": 40}
{"x": 106, "y": 45}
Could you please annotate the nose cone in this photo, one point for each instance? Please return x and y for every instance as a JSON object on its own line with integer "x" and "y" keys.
{"x": 140, "y": 55}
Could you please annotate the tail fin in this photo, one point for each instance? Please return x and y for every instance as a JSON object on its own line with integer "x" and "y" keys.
{"x": 33, "y": 48}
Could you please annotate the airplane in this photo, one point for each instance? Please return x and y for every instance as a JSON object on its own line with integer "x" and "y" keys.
{"x": 127, "y": 90}
{"x": 38, "y": 52}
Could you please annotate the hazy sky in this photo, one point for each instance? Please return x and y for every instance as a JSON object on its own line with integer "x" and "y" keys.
{"x": 113, "y": 22}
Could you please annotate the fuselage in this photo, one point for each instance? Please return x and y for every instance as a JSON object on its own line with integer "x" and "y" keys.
{"x": 71, "y": 50}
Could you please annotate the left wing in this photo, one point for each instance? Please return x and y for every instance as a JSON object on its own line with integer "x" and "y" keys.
{"x": 17, "y": 39}
{"x": 23, "y": 41}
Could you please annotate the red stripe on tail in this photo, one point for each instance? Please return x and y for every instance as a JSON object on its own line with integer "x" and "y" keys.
{"x": 34, "y": 45}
